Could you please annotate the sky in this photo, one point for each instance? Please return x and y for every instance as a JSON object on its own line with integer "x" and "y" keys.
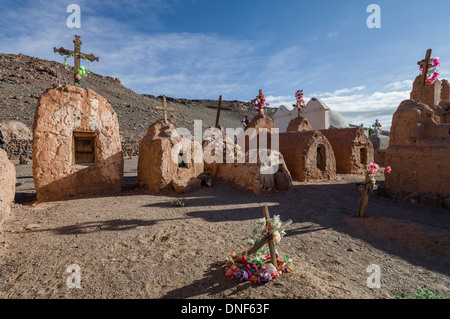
{"x": 200, "y": 49}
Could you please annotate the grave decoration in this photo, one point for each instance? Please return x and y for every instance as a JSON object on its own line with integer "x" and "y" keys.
{"x": 78, "y": 70}
{"x": 260, "y": 102}
{"x": 432, "y": 72}
{"x": 377, "y": 127}
{"x": 245, "y": 122}
{"x": 428, "y": 71}
{"x": 368, "y": 186}
{"x": 258, "y": 263}
{"x": 300, "y": 105}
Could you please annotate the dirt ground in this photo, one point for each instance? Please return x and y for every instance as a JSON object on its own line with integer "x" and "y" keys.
{"x": 139, "y": 246}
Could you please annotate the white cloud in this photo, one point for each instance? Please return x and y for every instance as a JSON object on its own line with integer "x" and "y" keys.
{"x": 332, "y": 34}
{"x": 190, "y": 65}
{"x": 355, "y": 108}
{"x": 399, "y": 85}
{"x": 343, "y": 91}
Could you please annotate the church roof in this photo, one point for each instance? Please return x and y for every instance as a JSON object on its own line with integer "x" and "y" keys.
{"x": 337, "y": 120}
{"x": 316, "y": 104}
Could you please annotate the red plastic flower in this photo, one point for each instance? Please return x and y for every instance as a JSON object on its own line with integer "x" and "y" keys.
{"x": 388, "y": 169}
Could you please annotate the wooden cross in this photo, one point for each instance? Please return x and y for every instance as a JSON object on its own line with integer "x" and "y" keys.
{"x": 268, "y": 237}
{"x": 164, "y": 109}
{"x": 219, "y": 108}
{"x": 77, "y": 49}
{"x": 367, "y": 187}
{"x": 425, "y": 64}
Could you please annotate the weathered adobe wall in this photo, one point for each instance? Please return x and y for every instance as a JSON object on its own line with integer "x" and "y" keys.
{"x": 260, "y": 121}
{"x": 299, "y": 124}
{"x": 347, "y": 144}
{"x": 7, "y": 184}
{"x": 418, "y": 151}
{"x": 299, "y": 150}
{"x": 253, "y": 174}
{"x": 60, "y": 112}
{"x": 156, "y": 169}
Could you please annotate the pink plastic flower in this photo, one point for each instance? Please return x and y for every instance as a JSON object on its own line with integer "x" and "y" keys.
{"x": 388, "y": 169}
{"x": 374, "y": 166}
{"x": 230, "y": 273}
{"x": 436, "y": 61}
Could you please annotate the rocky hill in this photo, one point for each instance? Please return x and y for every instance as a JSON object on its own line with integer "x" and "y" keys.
{"x": 23, "y": 79}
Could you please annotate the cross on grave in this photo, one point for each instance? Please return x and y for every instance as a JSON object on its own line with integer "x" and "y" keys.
{"x": 366, "y": 187}
{"x": 164, "y": 108}
{"x": 268, "y": 237}
{"x": 219, "y": 108}
{"x": 425, "y": 64}
{"x": 77, "y": 50}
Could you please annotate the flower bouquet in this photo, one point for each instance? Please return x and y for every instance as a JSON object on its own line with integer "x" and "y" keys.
{"x": 258, "y": 267}
{"x": 260, "y": 102}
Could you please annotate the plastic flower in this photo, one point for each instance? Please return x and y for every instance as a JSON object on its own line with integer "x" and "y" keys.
{"x": 436, "y": 61}
{"x": 374, "y": 166}
{"x": 230, "y": 273}
{"x": 241, "y": 275}
{"x": 264, "y": 277}
{"x": 276, "y": 236}
{"x": 388, "y": 169}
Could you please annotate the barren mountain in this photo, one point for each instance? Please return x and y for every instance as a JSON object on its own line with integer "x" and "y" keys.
{"x": 23, "y": 79}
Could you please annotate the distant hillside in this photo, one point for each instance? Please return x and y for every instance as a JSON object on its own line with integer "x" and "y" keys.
{"x": 23, "y": 79}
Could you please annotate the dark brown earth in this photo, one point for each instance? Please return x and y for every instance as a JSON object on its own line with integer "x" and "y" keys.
{"x": 139, "y": 246}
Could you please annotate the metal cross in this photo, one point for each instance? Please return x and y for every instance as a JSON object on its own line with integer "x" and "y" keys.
{"x": 219, "y": 108}
{"x": 77, "y": 49}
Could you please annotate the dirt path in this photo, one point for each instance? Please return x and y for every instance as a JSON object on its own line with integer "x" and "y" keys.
{"x": 139, "y": 246}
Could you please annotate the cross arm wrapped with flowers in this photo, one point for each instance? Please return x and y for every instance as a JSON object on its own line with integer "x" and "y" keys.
{"x": 368, "y": 186}
{"x": 257, "y": 264}
{"x": 260, "y": 102}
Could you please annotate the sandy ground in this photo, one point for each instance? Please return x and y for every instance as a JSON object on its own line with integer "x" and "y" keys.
{"x": 138, "y": 246}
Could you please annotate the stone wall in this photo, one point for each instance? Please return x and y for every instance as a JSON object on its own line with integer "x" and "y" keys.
{"x": 17, "y": 148}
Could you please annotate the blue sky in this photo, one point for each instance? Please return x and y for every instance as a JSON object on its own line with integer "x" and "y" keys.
{"x": 205, "y": 48}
